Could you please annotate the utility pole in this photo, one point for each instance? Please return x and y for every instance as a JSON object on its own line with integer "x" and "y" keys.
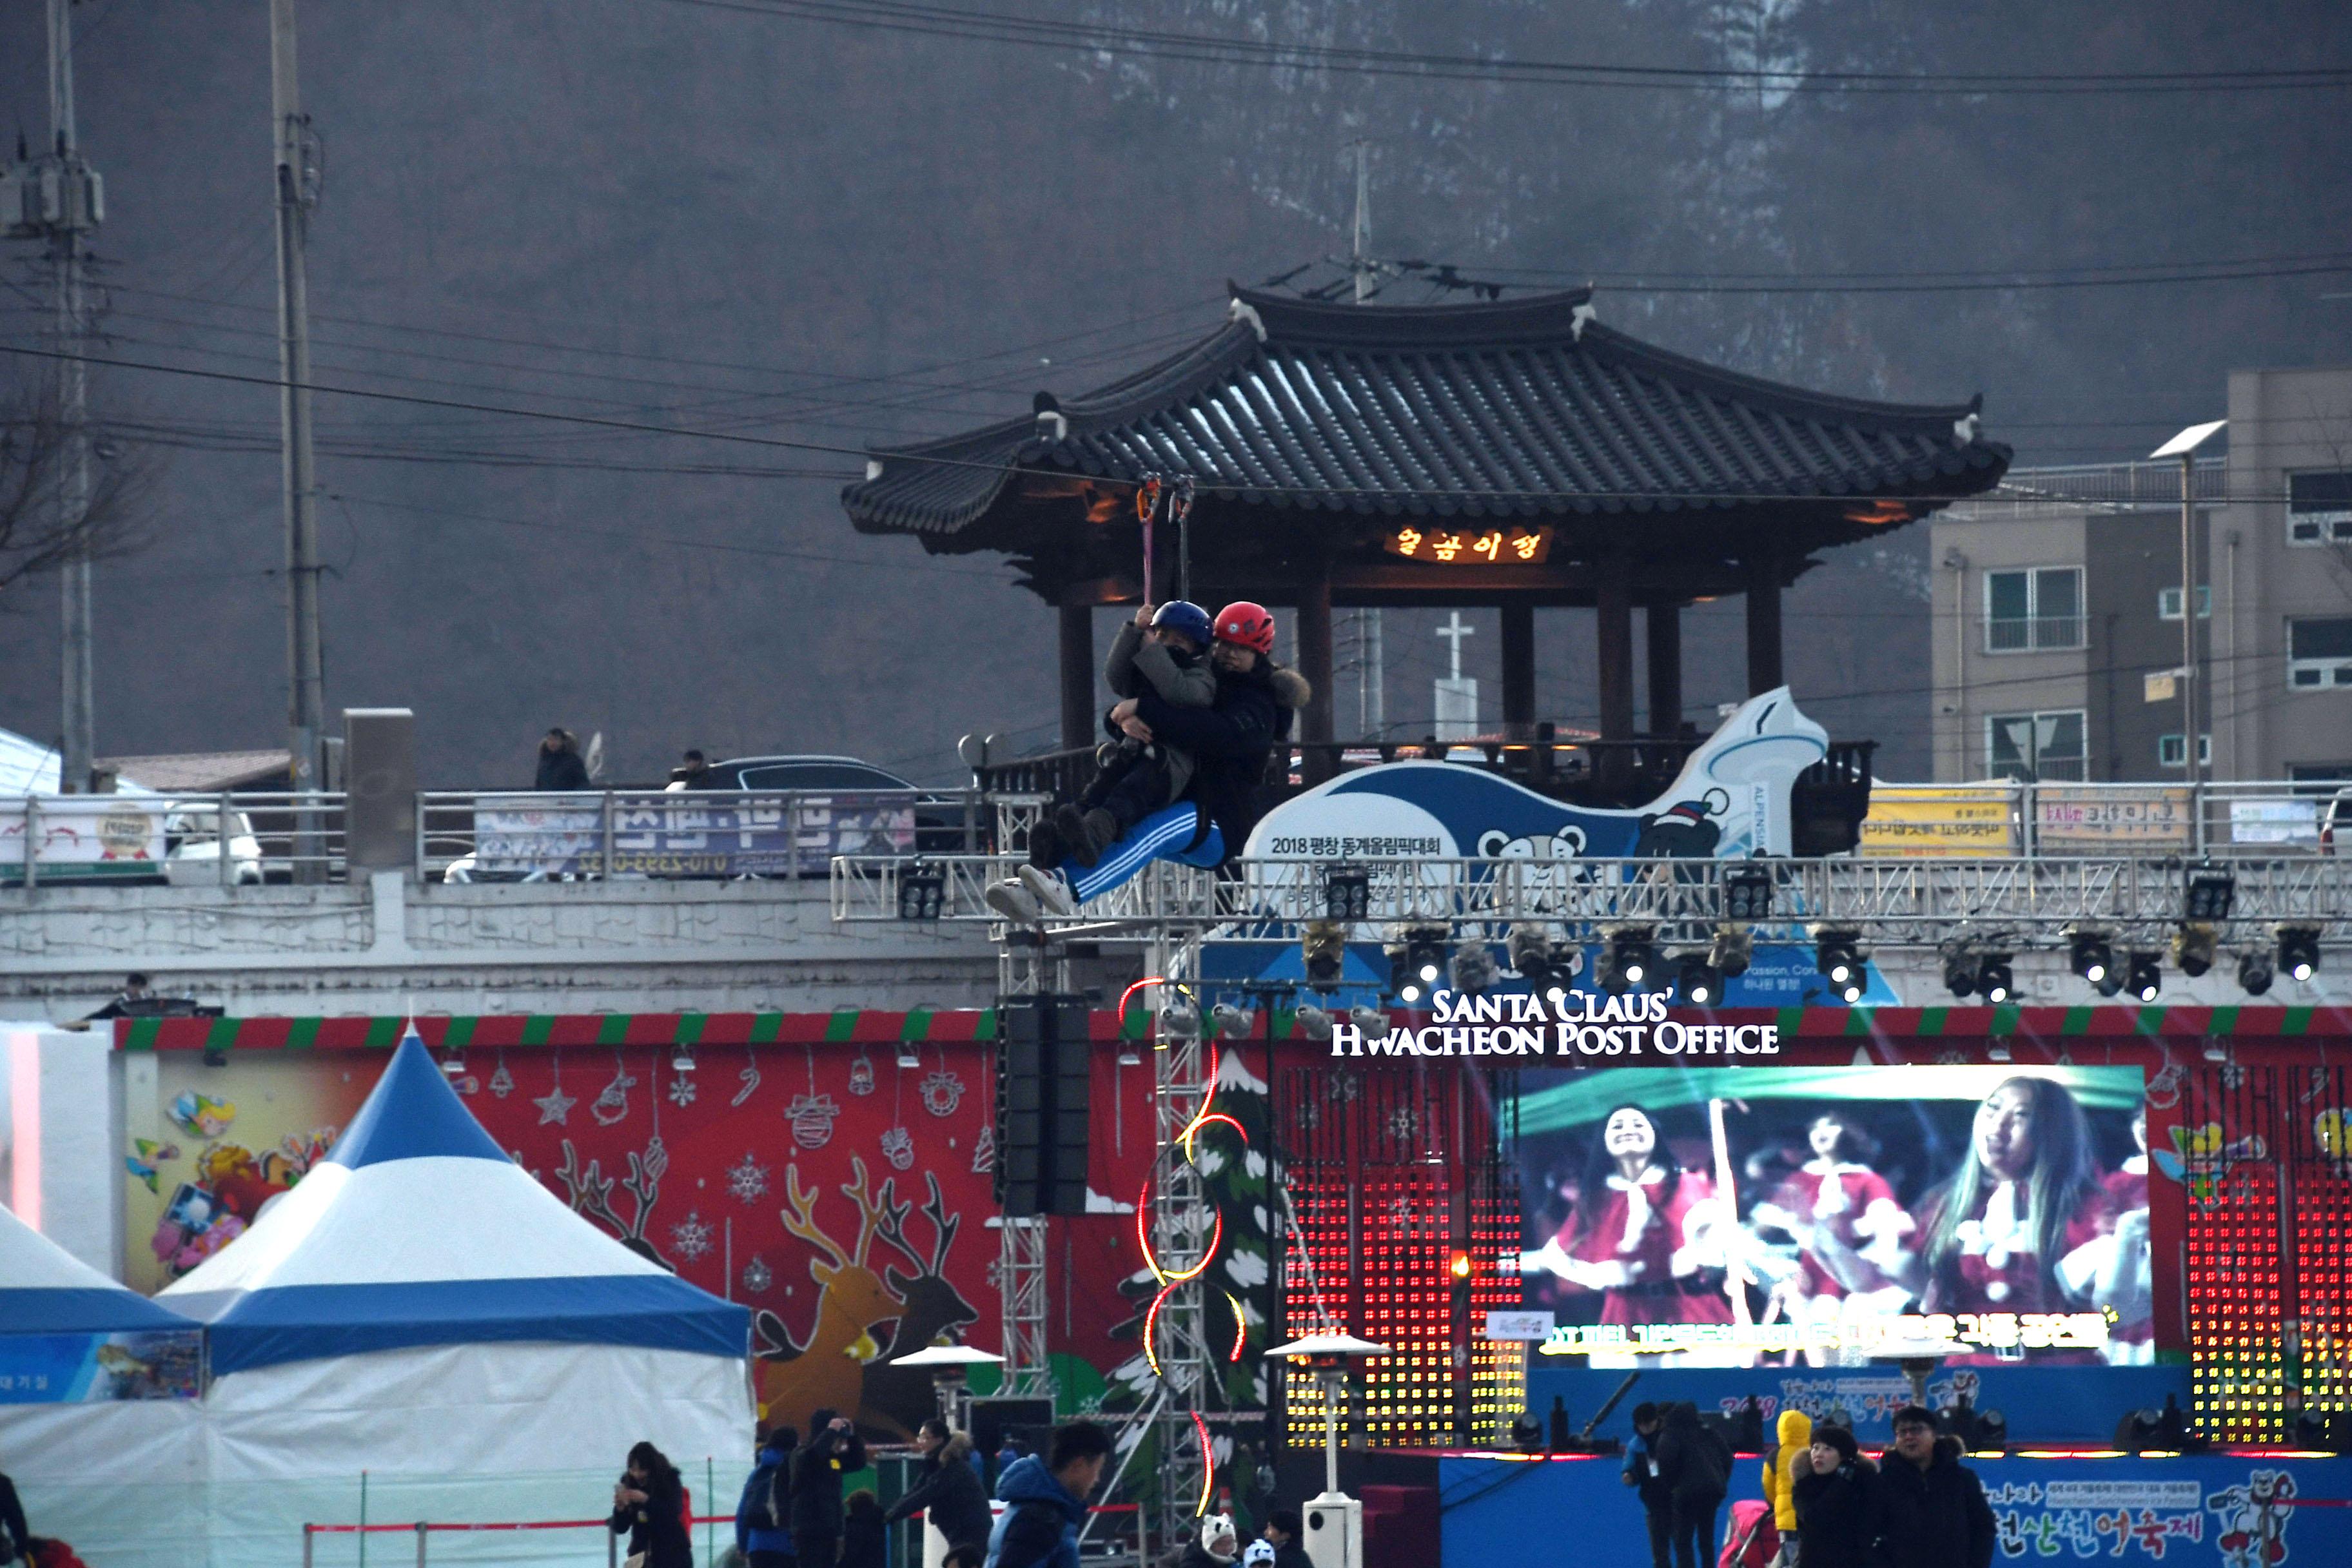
{"x": 79, "y": 206}
{"x": 2184, "y": 447}
{"x": 296, "y": 177}
{"x": 1372, "y": 689}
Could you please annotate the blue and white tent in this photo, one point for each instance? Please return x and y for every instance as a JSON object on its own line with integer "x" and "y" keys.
{"x": 419, "y": 1304}
{"x": 97, "y": 1392}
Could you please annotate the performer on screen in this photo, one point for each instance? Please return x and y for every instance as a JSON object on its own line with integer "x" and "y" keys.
{"x": 2131, "y": 1339}
{"x": 1849, "y": 1230}
{"x": 1645, "y": 1232}
{"x": 2024, "y": 1224}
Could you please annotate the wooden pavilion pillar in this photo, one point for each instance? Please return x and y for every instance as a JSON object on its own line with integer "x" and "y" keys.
{"x": 1518, "y": 668}
{"x": 1763, "y": 622}
{"x": 1315, "y": 656}
{"x": 1662, "y": 623}
{"x": 1077, "y": 677}
{"x": 1614, "y": 601}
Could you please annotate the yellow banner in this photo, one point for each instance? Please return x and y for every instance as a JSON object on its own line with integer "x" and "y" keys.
{"x": 2104, "y": 819}
{"x": 1954, "y": 823}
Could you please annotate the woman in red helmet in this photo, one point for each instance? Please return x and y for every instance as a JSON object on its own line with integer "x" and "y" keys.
{"x": 1229, "y": 741}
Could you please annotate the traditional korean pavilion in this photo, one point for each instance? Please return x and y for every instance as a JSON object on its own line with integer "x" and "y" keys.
{"x": 1515, "y": 453}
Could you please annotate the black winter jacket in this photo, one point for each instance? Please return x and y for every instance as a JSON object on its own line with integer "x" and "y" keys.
{"x": 1693, "y": 1461}
{"x": 952, "y": 1490}
{"x": 1229, "y": 741}
{"x": 656, "y": 1526}
{"x": 562, "y": 770}
{"x": 1837, "y": 1514}
{"x": 1935, "y": 1518}
{"x": 817, "y": 1470}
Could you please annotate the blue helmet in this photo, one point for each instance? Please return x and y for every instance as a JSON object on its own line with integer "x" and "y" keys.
{"x": 1181, "y": 614}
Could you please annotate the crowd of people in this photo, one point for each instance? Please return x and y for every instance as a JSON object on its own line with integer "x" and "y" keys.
{"x": 793, "y": 1512}
{"x": 1826, "y": 1504}
{"x": 1202, "y": 706}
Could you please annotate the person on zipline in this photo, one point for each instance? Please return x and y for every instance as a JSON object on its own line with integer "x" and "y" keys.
{"x": 1164, "y": 650}
{"x": 1229, "y": 741}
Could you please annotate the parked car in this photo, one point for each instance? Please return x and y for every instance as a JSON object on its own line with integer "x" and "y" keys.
{"x": 938, "y": 818}
{"x": 192, "y": 847}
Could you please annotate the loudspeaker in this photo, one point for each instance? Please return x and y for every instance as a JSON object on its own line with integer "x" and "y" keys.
{"x": 1043, "y": 1062}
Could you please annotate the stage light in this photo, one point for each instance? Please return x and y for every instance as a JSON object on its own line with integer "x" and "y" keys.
{"x": 1347, "y": 894}
{"x": 1995, "y": 981}
{"x": 1746, "y": 893}
{"x": 1837, "y": 953}
{"x": 1472, "y": 969}
{"x": 1959, "y": 969}
{"x": 1697, "y": 981}
{"x": 922, "y": 891}
{"x": 2193, "y": 948}
{"x": 1323, "y": 948}
{"x": 1180, "y": 1021}
{"x": 2254, "y": 973}
{"x": 1232, "y": 1022}
{"x": 1313, "y": 1022}
{"x": 1628, "y": 961}
{"x": 2090, "y": 955}
{"x": 2144, "y": 977}
{"x": 1527, "y": 1433}
{"x": 2211, "y": 892}
{"x": 2324, "y": 1431}
{"x": 1371, "y": 1020}
{"x": 1530, "y": 951}
{"x": 2298, "y": 951}
{"x": 1730, "y": 950}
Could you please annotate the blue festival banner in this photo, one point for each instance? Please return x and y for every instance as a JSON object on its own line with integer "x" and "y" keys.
{"x": 94, "y": 1369}
{"x": 2201, "y": 1511}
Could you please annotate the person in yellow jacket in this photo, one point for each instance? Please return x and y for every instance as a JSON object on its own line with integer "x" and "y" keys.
{"x": 1782, "y": 1465}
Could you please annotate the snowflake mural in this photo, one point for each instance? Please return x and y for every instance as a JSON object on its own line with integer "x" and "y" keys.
{"x": 681, "y": 1090}
{"x": 748, "y": 1179}
{"x": 757, "y": 1277}
{"x": 691, "y": 1237}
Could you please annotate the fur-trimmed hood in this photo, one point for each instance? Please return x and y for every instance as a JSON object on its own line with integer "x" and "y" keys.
{"x": 957, "y": 1448}
{"x": 1291, "y": 688}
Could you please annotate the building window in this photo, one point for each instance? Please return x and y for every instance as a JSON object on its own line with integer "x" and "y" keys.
{"x": 2167, "y": 603}
{"x": 2036, "y": 747}
{"x": 2041, "y": 608}
{"x": 2169, "y": 750}
{"x": 2319, "y": 509}
{"x": 2319, "y": 653}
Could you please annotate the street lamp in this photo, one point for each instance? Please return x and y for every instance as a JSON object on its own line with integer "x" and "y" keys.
{"x": 947, "y": 1365}
{"x": 2184, "y": 447}
{"x": 1335, "y": 1521}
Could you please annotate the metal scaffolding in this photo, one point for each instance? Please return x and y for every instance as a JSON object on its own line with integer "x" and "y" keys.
{"x": 1021, "y": 1284}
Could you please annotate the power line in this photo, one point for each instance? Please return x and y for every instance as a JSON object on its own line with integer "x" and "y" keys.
{"x": 939, "y": 21}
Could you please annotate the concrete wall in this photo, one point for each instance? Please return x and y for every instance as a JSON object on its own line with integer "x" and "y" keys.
{"x": 388, "y": 946}
{"x": 2281, "y": 422}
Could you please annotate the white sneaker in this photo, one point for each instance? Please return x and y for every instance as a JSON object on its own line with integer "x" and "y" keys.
{"x": 1052, "y": 893}
{"x": 1010, "y": 899}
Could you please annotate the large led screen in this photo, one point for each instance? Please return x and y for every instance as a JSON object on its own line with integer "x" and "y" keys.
{"x": 1832, "y": 1217}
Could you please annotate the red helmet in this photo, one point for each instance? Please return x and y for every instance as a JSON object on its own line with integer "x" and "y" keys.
{"x": 1246, "y": 624}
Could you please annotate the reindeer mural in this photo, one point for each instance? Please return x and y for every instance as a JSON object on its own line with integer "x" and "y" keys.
{"x": 590, "y": 1192}
{"x": 935, "y": 1311}
{"x": 827, "y": 1367}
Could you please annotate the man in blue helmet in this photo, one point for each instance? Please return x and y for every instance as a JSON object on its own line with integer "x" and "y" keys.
{"x": 1163, "y": 651}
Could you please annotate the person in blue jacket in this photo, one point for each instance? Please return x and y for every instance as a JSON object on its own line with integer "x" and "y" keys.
{"x": 1048, "y": 1498}
{"x": 763, "y": 1514}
